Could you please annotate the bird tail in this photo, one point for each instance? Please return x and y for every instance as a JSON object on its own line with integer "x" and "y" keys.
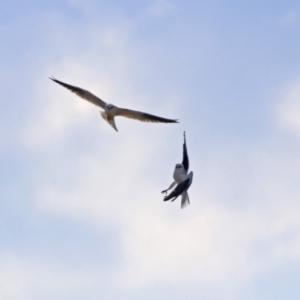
{"x": 110, "y": 121}
{"x": 185, "y": 201}
{"x": 103, "y": 115}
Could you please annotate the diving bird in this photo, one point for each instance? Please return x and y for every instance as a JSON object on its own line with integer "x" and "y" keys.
{"x": 182, "y": 179}
{"x": 111, "y": 111}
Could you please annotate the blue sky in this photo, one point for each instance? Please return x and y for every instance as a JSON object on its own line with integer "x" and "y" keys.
{"x": 81, "y": 213}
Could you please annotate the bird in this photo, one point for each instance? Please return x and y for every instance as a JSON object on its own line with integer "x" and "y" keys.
{"x": 111, "y": 111}
{"x": 182, "y": 179}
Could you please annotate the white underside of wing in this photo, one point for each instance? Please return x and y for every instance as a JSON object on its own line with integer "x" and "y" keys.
{"x": 131, "y": 114}
{"x": 82, "y": 93}
{"x": 86, "y": 95}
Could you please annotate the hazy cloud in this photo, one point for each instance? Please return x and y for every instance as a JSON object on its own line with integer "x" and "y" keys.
{"x": 289, "y": 108}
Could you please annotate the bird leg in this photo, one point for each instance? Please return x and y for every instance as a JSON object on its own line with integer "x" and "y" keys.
{"x": 170, "y": 187}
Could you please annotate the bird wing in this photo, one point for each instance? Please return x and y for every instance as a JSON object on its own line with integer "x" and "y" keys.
{"x": 141, "y": 116}
{"x": 82, "y": 93}
{"x": 180, "y": 188}
{"x": 185, "y": 160}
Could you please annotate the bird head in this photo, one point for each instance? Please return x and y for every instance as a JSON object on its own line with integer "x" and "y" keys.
{"x": 110, "y": 106}
{"x": 178, "y": 166}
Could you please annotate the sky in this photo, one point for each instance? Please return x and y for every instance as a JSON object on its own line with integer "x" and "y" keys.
{"x": 82, "y": 215}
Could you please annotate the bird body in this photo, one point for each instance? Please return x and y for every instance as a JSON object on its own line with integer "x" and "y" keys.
{"x": 111, "y": 111}
{"x": 182, "y": 178}
{"x": 180, "y": 173}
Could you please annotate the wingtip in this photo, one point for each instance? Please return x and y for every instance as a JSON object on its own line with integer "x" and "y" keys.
{"x": 52, "y": 78}
{"x": 166, "y": 198}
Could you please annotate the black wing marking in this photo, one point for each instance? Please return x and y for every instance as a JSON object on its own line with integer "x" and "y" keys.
{"x": 185, "y": 160}
{"x": 180, "y": 188}
{"x": 86, "y": 95}
{"x": 141, "y": 116}
{"x": 157, "y": 119}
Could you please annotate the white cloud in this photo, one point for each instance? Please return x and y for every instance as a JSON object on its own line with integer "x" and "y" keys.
{"x": 118, "y": 181}
{"x": 209, "y": 242}
{"x": 52, "y": 119}
{"x": 289, "y": 108}
{"x": 55, "y": 110}
{"x": 25, "y": 279}
{"x": 106, "y": 67}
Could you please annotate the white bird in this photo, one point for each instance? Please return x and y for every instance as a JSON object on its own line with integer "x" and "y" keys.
{"x": 182, "y": 179}
{"x": 110, "y": 110}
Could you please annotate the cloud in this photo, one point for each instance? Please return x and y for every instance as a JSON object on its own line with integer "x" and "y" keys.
{"x": 60, "y": 111}
{"x": 243, "y": 217}
{"x": 118, "y": 182}
{"x": 289, "y": 108}
{"x": 108, "y": 68}
{"x": 52, "y": 120}
{"x": 22, "y": 278}
{"x": 210, "y": 242}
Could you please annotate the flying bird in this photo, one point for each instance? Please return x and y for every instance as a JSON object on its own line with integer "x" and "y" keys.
{"x": 111, "y": 111}
{"x": 182, "y": 179}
